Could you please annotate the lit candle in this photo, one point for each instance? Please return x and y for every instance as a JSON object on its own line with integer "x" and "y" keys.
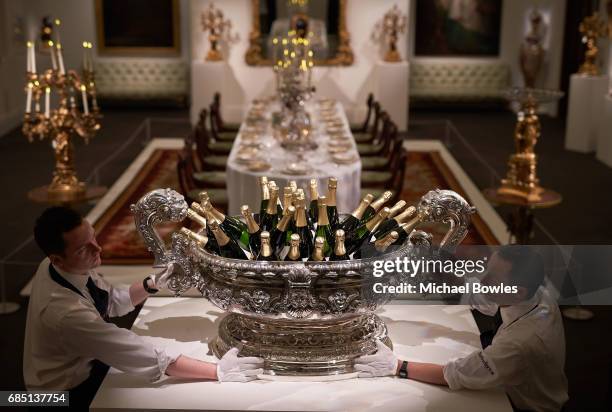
{"x": 33, "y": 63}
{"x": 52, "y": 50}
{"x": 84, "y": 94}
{"x": 29, "y": 99}
{"x": 60, "y": 59}
{"x": 29, "y": 57}
{"x": 47, "y": 101}
{"x": 85, "y": 65}
{"x": 57, "y": 31}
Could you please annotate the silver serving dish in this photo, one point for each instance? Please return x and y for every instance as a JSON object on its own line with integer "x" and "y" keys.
{"x": 303, "y": 318}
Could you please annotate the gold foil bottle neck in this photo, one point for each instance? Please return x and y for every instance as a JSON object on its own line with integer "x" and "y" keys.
{"x": 271, "y": 209}
{"x": 396, "y": 208}
{"x": 384, "y": 198}
{"x": 317, "y": 254}
{"x": 382, "y": 244}
{"x": 375, "y": 221}
{"x": 252, "y": 226}
{"x": 222, "y": 238}
{"x": 332, "y": 185}
{"x": 265, "y": 192}
{"x": 314, "y": 191}
{"x": 405, "y": 215}
{"x": 266, "y": 249}
{"x": 339, "y": 248}
{"x": 199, "y": 239}
{"x": 322, "y": 205}
{"x": 294, "y": 250}
{"x": 363, "y": 205}
{"x": 286, "y": 219}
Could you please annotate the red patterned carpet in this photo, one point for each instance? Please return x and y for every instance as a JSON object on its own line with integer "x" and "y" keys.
{"x": 121, "y": 243}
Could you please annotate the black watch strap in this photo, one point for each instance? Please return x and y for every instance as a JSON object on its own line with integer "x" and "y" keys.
{"x": 145, "y": 285}
{"x": 403, "y": 372}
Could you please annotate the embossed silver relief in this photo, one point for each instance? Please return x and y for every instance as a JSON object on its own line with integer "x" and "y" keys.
{"x": 302, "y": 317}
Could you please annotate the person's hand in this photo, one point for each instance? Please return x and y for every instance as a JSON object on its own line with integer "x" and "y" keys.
{"x": 231, "y": 368}
{"x": 160, "y": 279}
{"x": 382, "y": 363}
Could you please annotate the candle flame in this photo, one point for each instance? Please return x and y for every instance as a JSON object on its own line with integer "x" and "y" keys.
{"x": 29, "y": 44}
{"x": 30, "y": 85}
{"x": 47, "y": 90}
{"x": 83, "y": 88}
{"x": 85, "y": 44}
{"x": 50, "y": 43}
{"x": 57, "y": 22}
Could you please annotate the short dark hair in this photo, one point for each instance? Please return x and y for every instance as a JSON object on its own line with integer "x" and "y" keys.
{"x": 51, "y": 226}
{"x": 527, "y": 267}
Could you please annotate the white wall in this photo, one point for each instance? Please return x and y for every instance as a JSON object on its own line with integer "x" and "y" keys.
{"x": 350, "y": 85}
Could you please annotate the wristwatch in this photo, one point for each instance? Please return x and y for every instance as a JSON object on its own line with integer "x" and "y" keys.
{"x": 403, "y": 372}
{"x": 145, "y": 285}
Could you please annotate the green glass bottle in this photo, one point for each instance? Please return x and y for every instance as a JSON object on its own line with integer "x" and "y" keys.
{"x": 281, "y": 233}
{"x": 228, "y": 247}
{"x": 265, "y": 195}
{"x": 294, "y": 248}
{"x": 339, "y": 248}
{"x": 212, "y": 245}
{"x": 352, "y": 221}
{"x": 323, "y": 227}
{"x": 266, "y": 252}
{"x": 392, "y": 224}
{"x": 302, "y": 229}
{"x": 270, "y": 216}
{"x": 318, "y": 255}
{"x": 250, "y": 237}
{"x": 376, "y": 205}
{"x": 229, "y": 224}
{"x": 279, "y": 206}
{"x": 332, "y": 210}
{"x": 313, "y": 210}
{"x": 364, "y": 232}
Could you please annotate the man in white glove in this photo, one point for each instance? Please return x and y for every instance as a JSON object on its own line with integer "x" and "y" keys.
{"x": 527, "y": 353}
{"x": 70, "y": 341}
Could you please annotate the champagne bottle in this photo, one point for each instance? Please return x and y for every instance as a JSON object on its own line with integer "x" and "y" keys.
{"x": 302, "y": 229}
{"x": 352, "y": 220}
{"x": 318, "y": 255}
{"x": 294, "y": 249}
{"x": 229, "y": 224}
{"x": 364, "y": 231}
{"x": 406, "y": 228}
{"x": 265, "y": 195}
{"x": 381, "y": 245}
{"x": 375, "y": 205}
{"x": 228, "y": 247}
{"x": 282, "y": 231}
{"x": 323, "y": 227}
{"x": 250, "y": 237}
{"x": 279, "y": 206}
{"x": 313, "y": 210}
{"x": 266, "y": 252}
{"x": 339, "y": 248}
{"x": 397, "y": 207}
{"x": 270, "y": 216}
{"x": 392, "y": 224}
{"x": 200, "y": 240}
{"x": 293, "y": 185}
{"x": 287, "y": 198}
{"x": 332, "y": 210}
{"x": 212, "y": 245}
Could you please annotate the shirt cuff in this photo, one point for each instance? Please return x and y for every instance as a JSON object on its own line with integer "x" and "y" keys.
{"x": 121, "y": 302}
{"x": 450, "y": 375}
{"x": 163, "y": 361}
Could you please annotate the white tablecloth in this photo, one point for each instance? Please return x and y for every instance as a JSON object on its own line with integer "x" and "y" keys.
{"x": 243, "y": 188}
{"x": 185, "y": 325}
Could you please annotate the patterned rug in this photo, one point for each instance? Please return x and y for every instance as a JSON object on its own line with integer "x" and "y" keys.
{"x": 122, "y": 245}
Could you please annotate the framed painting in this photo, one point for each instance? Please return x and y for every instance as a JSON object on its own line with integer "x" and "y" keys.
{"x": 457, "y": 28}
{"x": 138, "y": 27}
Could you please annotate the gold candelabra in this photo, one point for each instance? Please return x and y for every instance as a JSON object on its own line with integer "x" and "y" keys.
{"x": 393, "y": 24}
{"x": 63, "y": 122}
{"x": 591, "y": 28}
{"x": 217, "y": 26}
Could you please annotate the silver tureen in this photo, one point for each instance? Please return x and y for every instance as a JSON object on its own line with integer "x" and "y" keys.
{"x": 303, "y": 318}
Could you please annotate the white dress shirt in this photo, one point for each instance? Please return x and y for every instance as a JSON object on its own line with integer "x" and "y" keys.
{"x": 65, "y": 332}
{"x": 526, "y": 357}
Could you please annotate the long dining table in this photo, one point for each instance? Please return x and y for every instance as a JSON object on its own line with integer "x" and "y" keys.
{"x": 257, "y": 152}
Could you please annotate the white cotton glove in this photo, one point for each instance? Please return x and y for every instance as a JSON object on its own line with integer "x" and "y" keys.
{"x": 382, "y": 363}
{"x": 231, "y": 368}
{"x": 160, "y": 279}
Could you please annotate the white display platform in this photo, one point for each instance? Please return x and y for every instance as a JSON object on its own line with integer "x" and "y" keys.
{"x": 391, "y": 90}
{"x": 207, "y": 78}
{"x": 419, "y": 333}
{"x": 584, "y": 111}
{"x": 604, "y": 140}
